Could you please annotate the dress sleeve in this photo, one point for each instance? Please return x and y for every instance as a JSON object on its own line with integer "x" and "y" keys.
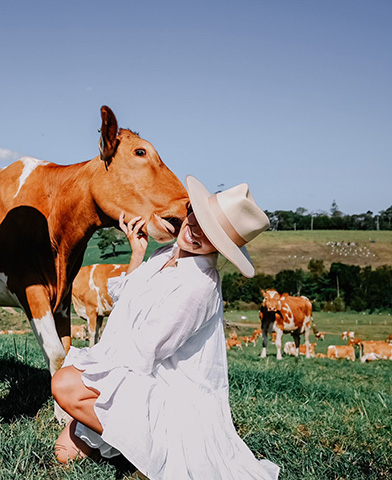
{"x": 171, "y": 323}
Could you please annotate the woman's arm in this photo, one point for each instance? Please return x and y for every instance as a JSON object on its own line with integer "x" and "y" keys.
{"x": 137, "y": 239}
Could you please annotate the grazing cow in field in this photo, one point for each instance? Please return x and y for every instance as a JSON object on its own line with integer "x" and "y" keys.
{"x": 233, "y": 342}
{"x": 290, "y": 349}
{"x": 347, "y": 335}
{"x": 285, "y": 314}
{"x": 354, "y": 341}
{"x": 341, "y": 351}
{"x": 12, "y": 332}
{"x": 90, "y": 296}
{"x": 48, "y": 213}
{"x": 375, "y": 350}
{"x": 249, "y": 339}
{"x": 79, "y": 332}
{"x": 257, "y": 333}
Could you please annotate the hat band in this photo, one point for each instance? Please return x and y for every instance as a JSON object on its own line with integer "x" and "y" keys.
{"x": 225, "y": 222}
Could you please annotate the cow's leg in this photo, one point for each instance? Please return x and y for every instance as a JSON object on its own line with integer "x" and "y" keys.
{"x": 92, "y": 325}
{"x": 307, "y": 335}
{"x": 296, "y": 342}
{"x": 62, "y": 318}
{"x": 98, "y": 329}
{"x": 278, "y": 343}
{"x": 44, "y": 328}
{"x": 265, "y": 343}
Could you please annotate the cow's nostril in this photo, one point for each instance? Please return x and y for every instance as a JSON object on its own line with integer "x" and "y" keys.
{"x": 176, "y": 222}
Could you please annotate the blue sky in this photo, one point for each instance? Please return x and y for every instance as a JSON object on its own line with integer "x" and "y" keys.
{"x": 293, "y": 97}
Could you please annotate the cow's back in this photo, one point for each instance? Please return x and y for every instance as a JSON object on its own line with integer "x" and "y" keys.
{"x": 23, "y": 183}
{"x": 89, "y": 291}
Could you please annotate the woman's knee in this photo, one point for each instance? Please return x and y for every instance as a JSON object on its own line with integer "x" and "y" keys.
{"x": 63, "y": 385}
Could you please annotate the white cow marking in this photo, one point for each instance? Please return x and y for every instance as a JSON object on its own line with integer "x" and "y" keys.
{"x": 46, "y": 333}
{"x": 30, "y": 164}
{"x": 96, "y": 288}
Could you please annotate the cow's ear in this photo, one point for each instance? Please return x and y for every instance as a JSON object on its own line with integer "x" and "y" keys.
{"x": 108, "y": 141}
{"x": 263, "y": 292}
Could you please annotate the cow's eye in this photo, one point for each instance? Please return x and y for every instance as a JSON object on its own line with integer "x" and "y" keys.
{"x": 140, "y": 152}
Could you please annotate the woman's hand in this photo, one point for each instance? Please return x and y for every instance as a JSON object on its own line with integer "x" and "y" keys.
{"x": 137, "y": 239}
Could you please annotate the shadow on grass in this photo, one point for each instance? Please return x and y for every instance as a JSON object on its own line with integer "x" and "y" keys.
{"x": 23, "y": 389}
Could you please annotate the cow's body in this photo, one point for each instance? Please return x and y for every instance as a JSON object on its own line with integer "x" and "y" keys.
{"x": 291, "y": 349}
{"x": 285, "y": 314}
{"x": 90, "y": 296}
{"x": 48, "y": 213}
{"x": 375, "y": 350}
{"x": 79, "y": 332}
{"x": 341, "y": 351}
{"x": 347, "y": 335}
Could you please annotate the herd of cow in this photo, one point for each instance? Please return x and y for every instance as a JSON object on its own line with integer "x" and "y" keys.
{"x": 369, "y": 350}
{"x": 279, "y": 314}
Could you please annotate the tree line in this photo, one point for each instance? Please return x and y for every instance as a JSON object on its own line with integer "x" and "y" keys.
{"x": 301, "y": 219}
{"x": 342, "y": 287}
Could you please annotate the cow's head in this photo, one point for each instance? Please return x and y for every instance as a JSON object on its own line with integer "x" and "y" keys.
{"x": 132, "y": 178}
{"x": 271, "y": 300}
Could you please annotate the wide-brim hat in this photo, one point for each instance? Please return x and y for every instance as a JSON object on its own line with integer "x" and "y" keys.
{"x": 229, "y": 219}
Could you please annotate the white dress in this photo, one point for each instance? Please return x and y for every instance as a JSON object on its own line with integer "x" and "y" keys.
{"x": 161, "y": 370}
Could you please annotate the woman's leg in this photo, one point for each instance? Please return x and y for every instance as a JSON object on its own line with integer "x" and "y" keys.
{"x": 69, "y": 446}
{"x": 75, "y": 398}
{"x": 78, "y": 401}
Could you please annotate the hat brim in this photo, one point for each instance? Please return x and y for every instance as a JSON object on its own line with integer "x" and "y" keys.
{"x": 238, "y": 256}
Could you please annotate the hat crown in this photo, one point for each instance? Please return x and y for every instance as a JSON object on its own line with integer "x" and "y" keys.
{"x": 242, "y": 212}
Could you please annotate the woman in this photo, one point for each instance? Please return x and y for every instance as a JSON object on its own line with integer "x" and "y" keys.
{"x": 155, "y": 387}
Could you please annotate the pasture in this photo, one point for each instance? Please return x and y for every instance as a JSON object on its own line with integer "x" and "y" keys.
{"x": 316, "y": 418}
{"x": 275, "y": 251}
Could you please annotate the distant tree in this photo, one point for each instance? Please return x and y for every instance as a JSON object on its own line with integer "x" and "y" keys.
{"x": 316, "y": 268}
{"x": 386, "y": 219}
{"x": 110, "y": 237}
{"x": 335, "y": 212}
{"x": 301, "y": 211}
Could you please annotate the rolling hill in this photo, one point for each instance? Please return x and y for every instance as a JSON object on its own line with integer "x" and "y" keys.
{"x": 275, "y": 251}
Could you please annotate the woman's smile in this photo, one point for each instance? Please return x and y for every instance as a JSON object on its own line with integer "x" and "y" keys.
{"x": 192, "y": 238}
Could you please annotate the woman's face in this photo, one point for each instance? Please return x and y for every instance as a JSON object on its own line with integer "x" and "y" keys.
{"x": 191, "y": 238}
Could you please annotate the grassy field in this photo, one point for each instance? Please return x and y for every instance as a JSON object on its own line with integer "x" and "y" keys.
{"x": 274, "y": 251}
{"x": 316, "y": 418}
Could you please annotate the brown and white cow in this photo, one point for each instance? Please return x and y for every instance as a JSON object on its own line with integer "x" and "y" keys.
{"x": 341, "y": 351}
{"x": 79, "y": 332}
{"x": 48, "y": 213}
{"x": 290, "y": 349}
{"x": 347, "y": 335}
{"x": 90, "y": 296}
{"x": 375, "y": 350}
{"x": 285, "y": 314}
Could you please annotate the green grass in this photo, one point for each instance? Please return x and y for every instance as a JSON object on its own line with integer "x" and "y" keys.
{"x": 316, "y": 418}
{"x": 123, "y": 252}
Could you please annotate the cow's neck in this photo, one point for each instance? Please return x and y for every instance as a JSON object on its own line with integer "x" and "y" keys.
{"x": 73, "y": 220}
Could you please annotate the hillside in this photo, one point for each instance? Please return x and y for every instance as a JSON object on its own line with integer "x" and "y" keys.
{"x": 276, "y": 251}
